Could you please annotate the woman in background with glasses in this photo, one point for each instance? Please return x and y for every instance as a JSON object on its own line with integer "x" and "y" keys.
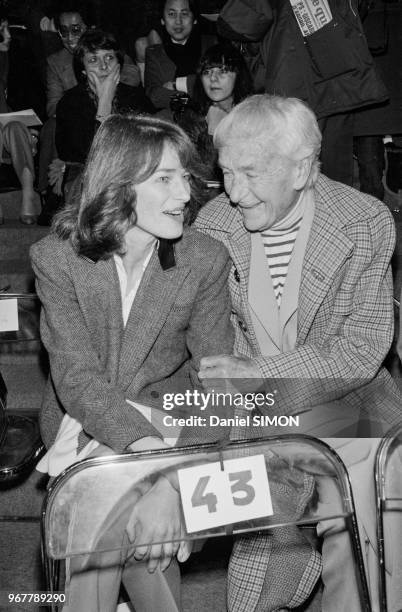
{"x": 222, "y": 81}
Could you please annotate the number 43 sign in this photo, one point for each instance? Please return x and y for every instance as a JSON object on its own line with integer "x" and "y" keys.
{"x": 212, "y": 496}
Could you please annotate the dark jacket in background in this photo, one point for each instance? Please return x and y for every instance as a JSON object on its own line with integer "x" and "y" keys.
{"x": 383, "y": 26}
{"x": 334, "y": 73}
{"x": 76, "y": 122}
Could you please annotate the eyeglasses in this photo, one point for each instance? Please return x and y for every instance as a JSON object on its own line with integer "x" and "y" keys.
{"x": 75, "y": 30}
{"x": 218, "y": 71}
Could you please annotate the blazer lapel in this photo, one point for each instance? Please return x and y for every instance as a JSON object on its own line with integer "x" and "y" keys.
{"x": 262, "y": 300}
{"x": 151, "y": 306}
{"x": 239, "y": 246}
{"x": 290, "y": 296}
{"x": 100, "y": 285}
{"x": 327, "y": 249}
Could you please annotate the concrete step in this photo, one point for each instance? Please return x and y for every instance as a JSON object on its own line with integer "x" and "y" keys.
{"x": 15, "y": 267}
{"x": 10, "y": 203}
{"x": 25, "y": 384}
{"x": 16, "y": 239}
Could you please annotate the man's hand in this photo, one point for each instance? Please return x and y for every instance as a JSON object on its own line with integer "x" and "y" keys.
{"x": 157, "y": 517}
{"x": 220, "y": 370}
{"x": 170, "y": 85}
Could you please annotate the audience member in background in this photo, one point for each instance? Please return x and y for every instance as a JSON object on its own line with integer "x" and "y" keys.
{"x": 71, "y": 21}
{"x": 332, "y": 69}
{"x": 99, "y": 93}
{"x": 97, "y": 64}
{"x": 16, "y": 139}
{"x": 222, "y": 81}
{"x": 126, "y": 330}
{"x": 171, "y": 66}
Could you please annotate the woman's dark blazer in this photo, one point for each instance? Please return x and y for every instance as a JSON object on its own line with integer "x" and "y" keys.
{"x": 180, "y": 314}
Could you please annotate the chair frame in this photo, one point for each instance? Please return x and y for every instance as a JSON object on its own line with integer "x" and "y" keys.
{"x": 381, "y": 503}
{"x": 52, "y": 566}
{"x": 9, "y": 474}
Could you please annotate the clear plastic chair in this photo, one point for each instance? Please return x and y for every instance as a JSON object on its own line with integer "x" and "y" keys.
{"x": 388, "y": 481}
{"x": 213, "y": 481}
{"x": 21, "y": 444}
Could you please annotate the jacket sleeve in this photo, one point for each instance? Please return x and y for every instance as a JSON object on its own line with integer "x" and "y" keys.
{"x": 357, "y": 332}
{"x": 54, "y": 89}
{"x": 130, "y": 74}
{"x": 246, "y": 20}
{"x": 156, "y": 74}
{"x": 210, "y": 331}
{"x": 82, "y": 386}
{"x": 75, "y": 128}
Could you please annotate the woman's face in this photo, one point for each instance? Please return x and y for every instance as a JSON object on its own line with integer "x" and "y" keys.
{"x": 178, "y": 19}
{"x": 70, "y": 29}
{"x": 218, "y": 83}
{"x": 5, "y": 35}
{"x": 161, "y": 199}
{"x": 100, "y": 62}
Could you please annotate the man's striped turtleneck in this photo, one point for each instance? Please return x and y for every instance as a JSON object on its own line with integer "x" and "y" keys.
{"x": 279, "y": 241}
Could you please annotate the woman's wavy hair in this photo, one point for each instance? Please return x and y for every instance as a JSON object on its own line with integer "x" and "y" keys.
{"x": 126, "y": 150}
{"x": 222, "y": 54}
{"x": 91, "y": 41}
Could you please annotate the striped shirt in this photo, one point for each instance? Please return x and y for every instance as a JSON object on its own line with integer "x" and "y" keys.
{"x": 278, "y": 242}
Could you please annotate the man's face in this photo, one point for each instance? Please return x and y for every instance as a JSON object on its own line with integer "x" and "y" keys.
{"x": 263, "y": 184}
{"x": 70, "y": 29}
{"x": 178, "y": 19}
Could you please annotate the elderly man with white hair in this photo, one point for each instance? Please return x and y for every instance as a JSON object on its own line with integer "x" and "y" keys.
{"x": 311, "y": 292}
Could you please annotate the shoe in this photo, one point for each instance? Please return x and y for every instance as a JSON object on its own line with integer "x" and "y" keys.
{"x": 28, "y": 219}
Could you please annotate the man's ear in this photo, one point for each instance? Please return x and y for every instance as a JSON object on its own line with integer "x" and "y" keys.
{"x": 162, "y": 21}
{"x": 303, "y": 169}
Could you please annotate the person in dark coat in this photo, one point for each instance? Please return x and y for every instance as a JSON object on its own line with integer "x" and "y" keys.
{"x": 332, "y": 69}
{"x": 171, "y": 66}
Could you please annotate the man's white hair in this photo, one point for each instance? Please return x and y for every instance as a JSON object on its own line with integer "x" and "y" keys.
{"x": 276, "y": 125}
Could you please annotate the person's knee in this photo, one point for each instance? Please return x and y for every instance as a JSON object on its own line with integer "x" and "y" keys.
{"x": 14, "y": 127}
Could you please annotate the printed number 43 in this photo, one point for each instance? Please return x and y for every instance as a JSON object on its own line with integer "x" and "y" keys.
{"x": 239, "y": 485}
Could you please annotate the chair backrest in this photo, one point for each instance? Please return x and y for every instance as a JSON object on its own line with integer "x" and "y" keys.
{"x": 24, "y": 309}
{"x": 389, "y": 518}
{"x": 242, "y": 487}
{"x": 20, "y": 442}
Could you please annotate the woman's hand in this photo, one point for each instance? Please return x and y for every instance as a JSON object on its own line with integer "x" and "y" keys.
{"x": 56, "y": 174}
{"x": 104, "y": 89}
{"x": 156, "y": 518}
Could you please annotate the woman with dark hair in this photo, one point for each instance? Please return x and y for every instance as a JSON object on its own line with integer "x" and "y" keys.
{"x": 132, "y": 299}
{"x": 97, "y": 64}
{"x": 222, "y": 81}
{"x": 171, "y": 66}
